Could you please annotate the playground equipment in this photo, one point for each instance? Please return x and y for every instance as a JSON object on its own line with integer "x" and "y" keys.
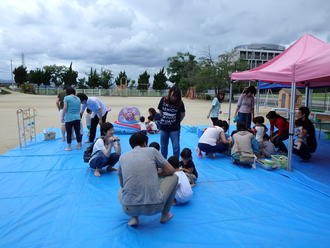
{"x": 26, "y": 126}
{"x": 128, "y": 119}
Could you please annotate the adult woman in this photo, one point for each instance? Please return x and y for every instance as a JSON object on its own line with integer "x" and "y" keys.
{"x": 243, "y": 150}
{"x": 102, "y": 155}
{"x": 215, "y": 108}
{"x": 214, "y": 139}
{"x": 308, "y": 133}
{"x": 245, "y": 106}
{"x": 71, "y": 111}
{"x": 172, "y": 112}
{"x": 282, "y": 132}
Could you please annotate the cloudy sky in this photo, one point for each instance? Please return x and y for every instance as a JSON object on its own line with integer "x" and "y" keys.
{"x": 138, "y": 35}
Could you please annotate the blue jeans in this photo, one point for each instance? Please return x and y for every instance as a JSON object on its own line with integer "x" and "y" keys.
{"x": 175, "y": 138}
{"x": 246, "y": 118}
{"x": 101, "y": 160}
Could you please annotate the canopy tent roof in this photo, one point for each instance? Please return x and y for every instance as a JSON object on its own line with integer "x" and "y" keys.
{"x": 308, "y": 59}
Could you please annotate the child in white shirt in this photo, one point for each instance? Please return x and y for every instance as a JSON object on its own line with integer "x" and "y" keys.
{"x": 183, "y": 192}
{"x": 152, "y": 126}
{"x": 259, "y": 130}
{"x": 142, "y": 124}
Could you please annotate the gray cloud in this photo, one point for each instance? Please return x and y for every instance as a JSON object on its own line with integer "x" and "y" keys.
{"x": 140, "y": 35}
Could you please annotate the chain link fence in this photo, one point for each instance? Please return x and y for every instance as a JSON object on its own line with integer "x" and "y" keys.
{"x": 107, "y": 92}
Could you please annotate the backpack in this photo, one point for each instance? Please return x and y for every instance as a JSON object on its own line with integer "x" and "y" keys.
{"x": 88, "y": 153}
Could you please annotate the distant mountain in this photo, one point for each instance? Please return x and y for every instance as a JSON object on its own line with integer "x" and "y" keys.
{"x": 5, "y": 81}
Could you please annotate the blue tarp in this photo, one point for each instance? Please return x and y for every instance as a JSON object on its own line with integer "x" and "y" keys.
{"x": 50, "y": 198}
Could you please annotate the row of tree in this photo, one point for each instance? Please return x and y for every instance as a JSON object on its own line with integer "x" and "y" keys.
{"x": 184, "y": 69}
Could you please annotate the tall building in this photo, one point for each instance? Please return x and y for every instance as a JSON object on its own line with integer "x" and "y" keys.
{"x": 257, "y": 54}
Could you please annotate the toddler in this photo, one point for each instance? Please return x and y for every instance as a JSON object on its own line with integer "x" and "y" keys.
{"x": 188, "y": 166}
{"x": 299, "y": 134}
{"x": 142, "y": 125}
{"x": 88, "y": 119}
{"x": 155, "y": 145}
{"x": 268, "y": 147}
{"x": 183, "y": 191}
{"x": 151, "y": 126}
{"x": 259, "y": 129}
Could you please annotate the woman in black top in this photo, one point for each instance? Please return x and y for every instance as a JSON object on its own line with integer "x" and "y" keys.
{"x": 172, "y": 112}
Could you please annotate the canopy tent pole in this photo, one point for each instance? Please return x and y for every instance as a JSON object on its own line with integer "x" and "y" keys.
{"x": 291, "y": 127}
{"x": 258, "y": 98}
{"x": 307, "y": 96}
{"x": 230, "y": 97}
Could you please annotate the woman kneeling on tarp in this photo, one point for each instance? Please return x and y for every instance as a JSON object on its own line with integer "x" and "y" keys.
{"x": 214, "y": 139}
{"x": 245, "y": 146}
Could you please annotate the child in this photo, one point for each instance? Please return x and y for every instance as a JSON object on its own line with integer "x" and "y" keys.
{"x": 188, "y": 166}
{"x": 88, "y": 119}
{"x": 142, "y": 125}
{"x": 151, "y": 126}
{"x": 183, "y": 191}
{"x": 299, "y": 134}
{"x": 259, "y": 129}
{"x": 155, "y": 145}
{"x": 268, "y": 147}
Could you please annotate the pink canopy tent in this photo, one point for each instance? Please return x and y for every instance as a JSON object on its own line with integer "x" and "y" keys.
{"x": 306, "y": 63}
{"x": 307, "y": 60}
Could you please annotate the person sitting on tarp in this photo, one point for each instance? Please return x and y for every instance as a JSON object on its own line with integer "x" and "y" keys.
{"x": 245, "y": 146}
{"x": 308, "y": 132}
{"x": 214, "y": 139}
{"x": 142, "y": 191}
{"x": 282, "y": 132}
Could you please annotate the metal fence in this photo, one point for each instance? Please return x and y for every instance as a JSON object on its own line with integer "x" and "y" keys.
{"x": 107, "y": 92}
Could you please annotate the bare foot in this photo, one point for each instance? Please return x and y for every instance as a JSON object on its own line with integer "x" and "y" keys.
{"x": 87, "y": 141}
{"x": 174, "y": 203}
{"x": 192, "y": 185}
{"x": 67, "y": 149}
{"x": 167, "y": 218}
{"x": 97, "y": 173}
{"x": 78, "y": 147}
{"x": 134, "y": 221}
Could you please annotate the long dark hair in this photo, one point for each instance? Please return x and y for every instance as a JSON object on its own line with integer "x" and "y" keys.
{"x": 272, "y": 115}
{"x": 174, "y": 91}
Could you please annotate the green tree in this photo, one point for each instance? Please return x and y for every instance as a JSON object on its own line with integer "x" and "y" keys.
{"x": 143, "y": 81}
{"x": 46, "y": 77}
{"x": 20, "y": 75}
{"x": 56, "y": 73}
{"x": 93, "y": 79}
{"x": 36, "y": 77}
{"x": 160, "y": 80}
{"x": 70, "y": 76}
{"x": 122, "y": 78}
{"x": 181, "y": 69}
{"x": 132, "y": 84}
{"x": 106, "y": 78}
{"x": 81, "y": 83}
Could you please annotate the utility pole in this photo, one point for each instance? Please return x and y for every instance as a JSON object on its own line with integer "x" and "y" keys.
{"x": 11, "y": 73}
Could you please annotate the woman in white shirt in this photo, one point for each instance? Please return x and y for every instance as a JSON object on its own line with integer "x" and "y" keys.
{"x": 214, "y": 139}
{"x": 101, "y": 155}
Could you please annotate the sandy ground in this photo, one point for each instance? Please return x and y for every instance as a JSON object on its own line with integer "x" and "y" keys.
{"x": 47, "y": 114}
